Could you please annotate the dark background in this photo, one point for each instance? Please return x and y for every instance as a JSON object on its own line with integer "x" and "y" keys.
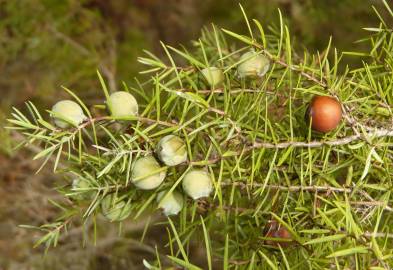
{"x": 48, "y": 43}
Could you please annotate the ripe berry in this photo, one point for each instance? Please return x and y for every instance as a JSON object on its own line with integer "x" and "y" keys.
{"x": 147, "y": 173}
{"x": 66, "y": 113}
{"x": 197, "y": 184}
{"x": 325, "y": 113}
{"x": 253, "y": 65}
{"x": 122, "y": 104}
{"x": 171, "y": 150}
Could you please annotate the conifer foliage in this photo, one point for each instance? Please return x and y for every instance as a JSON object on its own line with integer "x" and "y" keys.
{"x": 222, "y": 138}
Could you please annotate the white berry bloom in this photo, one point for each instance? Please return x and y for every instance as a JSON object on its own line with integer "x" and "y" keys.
{"x": 147, "y": 173}
{"x": 114, "y": 208}
{"x": 197, "y": 184}
{"x": 81, "y": 186}
{"x": 253, "y": 65}
{"x": 171, "y": 204}
{"x": 213, "y": 76}
{"x": 171, "y": 150}
{"x": 66, "y": 113}
{"x": 122, "y": 104}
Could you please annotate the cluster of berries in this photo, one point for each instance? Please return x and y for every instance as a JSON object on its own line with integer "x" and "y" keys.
{"x": 147, "y": 173}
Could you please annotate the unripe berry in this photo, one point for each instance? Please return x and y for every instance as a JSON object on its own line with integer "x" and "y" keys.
{"x": 253, "y": 65}
{"x": 213, "y": 76}
{"x": 197, "y": 184}
{"x": 114, "y": 208}
{"x": 147, "y": 173}
{"x": 171, "y": 150}
{"x": 325, "y": 113}
{"x": 66, "y": 113}
{"x": 81, "y": 183}
{"x": 171, "y": 204}
{"x": 122, "y": 104}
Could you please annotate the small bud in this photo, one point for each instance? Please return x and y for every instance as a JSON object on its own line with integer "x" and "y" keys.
{"x": 172, "y": 150}
{"x": 280, "y": 236}
{"x": 197, "y": 184}
{"x": 66, "y": 113}
{"x": 253, "y": 65}
{"x": 81, "y": 186}
{"x": 115, "y": 208}
{"x": 123, "y": 104}
{"x": 171, "y": 204}
{"x": 203, "y": 206}
{"x": 147, "y": 173}
{"x": 213, "y": 76}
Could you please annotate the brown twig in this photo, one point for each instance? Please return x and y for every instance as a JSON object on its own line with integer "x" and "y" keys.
{"x": 376, "y": 133}
{"x": 221, "y": 91}
{"x": 372, "y": 203}
{"x": 237, "y": 209}
{"x": 378, "y": 235}
{"x": 291, "y": 188}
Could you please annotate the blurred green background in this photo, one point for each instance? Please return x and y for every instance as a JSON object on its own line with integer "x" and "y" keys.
{"x": 48, "y": 43}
